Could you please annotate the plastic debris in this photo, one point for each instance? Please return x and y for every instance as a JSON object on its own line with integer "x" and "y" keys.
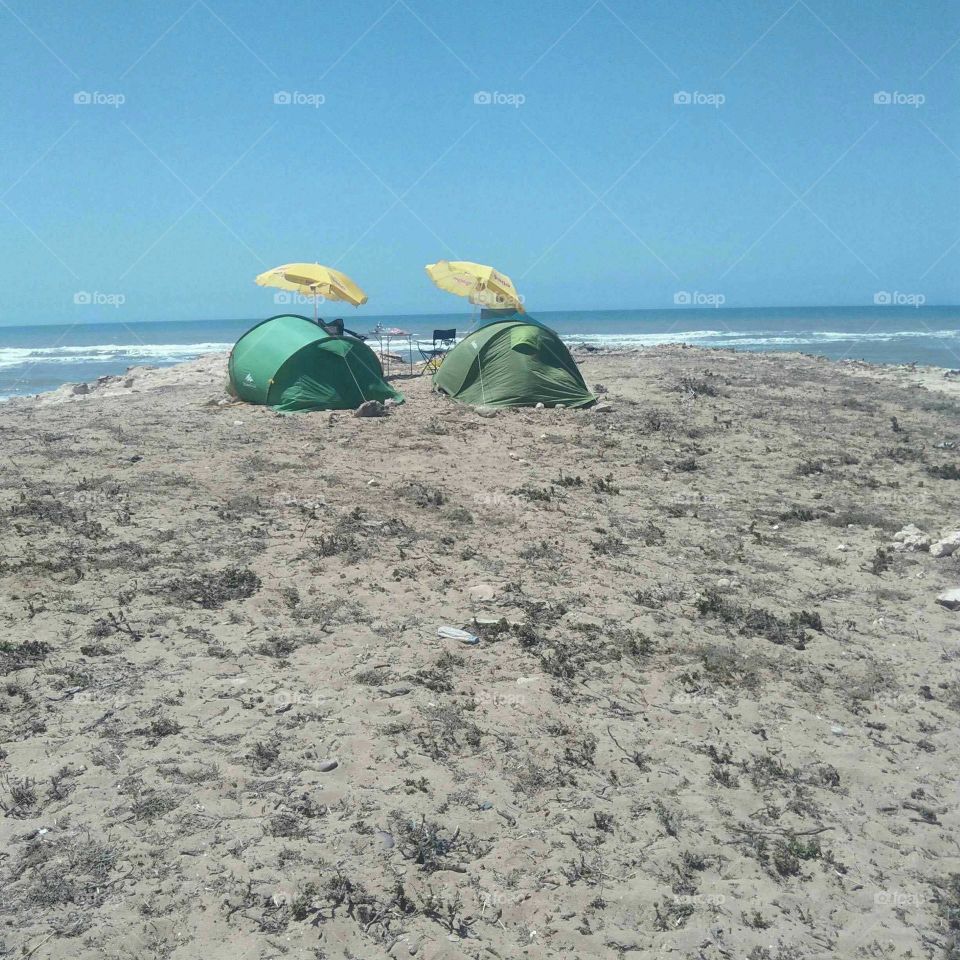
{"x": 455, "y": 633}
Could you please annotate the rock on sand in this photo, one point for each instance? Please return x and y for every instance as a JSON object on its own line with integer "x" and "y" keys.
{"x": 946, "y": 547}
{"x": 950, "y": 599}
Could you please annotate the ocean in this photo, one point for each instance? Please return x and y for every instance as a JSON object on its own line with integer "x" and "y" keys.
{"x": 38, "y": 358}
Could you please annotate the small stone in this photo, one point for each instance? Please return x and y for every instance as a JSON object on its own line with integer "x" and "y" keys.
{"x": 325, "y": 766}
{"x": 128, "y": 382}
{"x": 602, "y": 408}
{"x": 238, "y": 423}
{"x": 370, "y": 408}
{"x": 482, "y": 592}
{"x": 599, "y": 389}
{"x": 373, "y": 483}
{"x": 843, "y": 547}
{"x": 559, "y": 406}
{"x": 946, "y": 547}
{"x": 539, "y": 406}
{"x": 486, "y": 412}
{"x": 79, "y": 389}
{"x": 950, "y": 599}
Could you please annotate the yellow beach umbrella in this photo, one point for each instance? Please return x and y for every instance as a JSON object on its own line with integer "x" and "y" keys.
{"x": 314, "y": 280}
{"x": 480, "y": 284}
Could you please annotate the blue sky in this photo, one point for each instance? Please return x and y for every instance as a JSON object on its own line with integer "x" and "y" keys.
{"x": 781, "y": 182}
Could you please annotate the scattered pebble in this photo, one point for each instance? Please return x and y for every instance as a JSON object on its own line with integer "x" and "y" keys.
{"x": 385, "y": 839}
{"x": 325, "y": 766}
{"x": 482, "y": 592}
{"x": 371, "y": 408}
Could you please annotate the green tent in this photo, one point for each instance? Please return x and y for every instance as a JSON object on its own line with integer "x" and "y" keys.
{"x": 515, "y": 362}
{"x": 290, "y": 363}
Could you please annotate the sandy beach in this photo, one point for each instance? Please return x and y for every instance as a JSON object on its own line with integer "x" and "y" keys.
{"x": 713, "y": 710}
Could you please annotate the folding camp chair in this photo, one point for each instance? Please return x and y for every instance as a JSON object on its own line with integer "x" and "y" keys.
{"x": 441, "y": 344}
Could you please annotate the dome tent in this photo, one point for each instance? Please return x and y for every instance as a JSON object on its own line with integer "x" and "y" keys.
{"x": 513, "y": 361}
{"x": 290, "y": 363}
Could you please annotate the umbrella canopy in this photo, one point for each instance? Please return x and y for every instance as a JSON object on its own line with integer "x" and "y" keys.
{"x": 477, "y": 282}
{"x": 314, "y": 280}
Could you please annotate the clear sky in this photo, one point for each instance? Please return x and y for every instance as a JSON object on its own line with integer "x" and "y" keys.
{"x": 780, "y": 182}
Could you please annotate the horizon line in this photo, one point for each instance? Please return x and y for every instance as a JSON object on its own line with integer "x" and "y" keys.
{"x": 672, "y": 308}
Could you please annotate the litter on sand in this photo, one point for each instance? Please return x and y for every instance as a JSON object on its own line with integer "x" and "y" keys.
{"x": 454, "y": 633}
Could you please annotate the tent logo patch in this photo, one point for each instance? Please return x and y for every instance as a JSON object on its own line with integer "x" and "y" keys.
{"x": 248, "y": 379}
